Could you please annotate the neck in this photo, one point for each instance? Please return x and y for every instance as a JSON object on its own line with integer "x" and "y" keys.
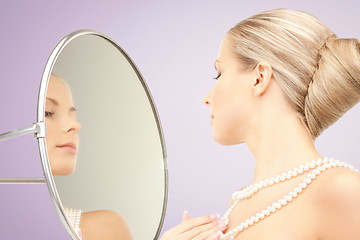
{"x": 280, "y": 145}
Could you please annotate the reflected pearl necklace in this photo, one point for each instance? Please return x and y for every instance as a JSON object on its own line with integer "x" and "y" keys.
{"x": 316, "y": 168}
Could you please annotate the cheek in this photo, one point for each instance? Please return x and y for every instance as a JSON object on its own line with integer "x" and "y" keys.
{"x": 51, "y": 132}
{"x": 231, "y": 111}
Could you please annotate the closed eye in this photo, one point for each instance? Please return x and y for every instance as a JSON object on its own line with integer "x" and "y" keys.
{"x": 218, "y": 76}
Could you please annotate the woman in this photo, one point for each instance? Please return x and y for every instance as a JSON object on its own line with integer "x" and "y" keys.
{"x": 283, "y": 78}
{"x": 62, "y": 142}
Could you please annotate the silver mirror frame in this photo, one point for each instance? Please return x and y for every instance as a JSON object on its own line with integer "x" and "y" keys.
{"x": 39, "y": 130}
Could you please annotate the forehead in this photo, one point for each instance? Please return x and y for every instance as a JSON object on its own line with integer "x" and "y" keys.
{"x": 225, "y": 53}
{"x": 59, "y": 90}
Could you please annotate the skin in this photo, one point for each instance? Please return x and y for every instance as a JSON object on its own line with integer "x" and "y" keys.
{"x": 248, "y": 106}
{"x": 62, "y": 127}
{"x": 104, "y": 224}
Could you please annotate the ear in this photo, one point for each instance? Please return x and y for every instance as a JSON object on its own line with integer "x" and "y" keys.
{"x": 263, "y": 77}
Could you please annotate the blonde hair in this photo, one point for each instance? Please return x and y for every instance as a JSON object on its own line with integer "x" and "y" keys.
{"x": 318, "y": 72}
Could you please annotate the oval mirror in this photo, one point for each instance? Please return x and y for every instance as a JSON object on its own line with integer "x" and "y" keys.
{"x": 103, "y": 152}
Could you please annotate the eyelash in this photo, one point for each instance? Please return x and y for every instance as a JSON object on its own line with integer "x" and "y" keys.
{"x": 49, "y": 114}
{"x": 218, "y": 76}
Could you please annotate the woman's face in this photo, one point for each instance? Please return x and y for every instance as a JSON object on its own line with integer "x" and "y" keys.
{"x": 62, "y": 128}
{"x": 231, "y": 99}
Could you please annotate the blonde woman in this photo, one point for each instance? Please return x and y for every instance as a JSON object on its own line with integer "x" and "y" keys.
{"x": 283, "y": 78}
{"x": 62, "y": 142}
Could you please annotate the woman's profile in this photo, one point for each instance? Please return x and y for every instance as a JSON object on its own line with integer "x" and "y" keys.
{"x": 62, "y": 142}
{"x": 283, "y": 77}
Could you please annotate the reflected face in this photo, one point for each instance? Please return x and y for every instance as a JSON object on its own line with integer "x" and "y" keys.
{"x": 230, "y": 100}
{"x": 62, "y": 128}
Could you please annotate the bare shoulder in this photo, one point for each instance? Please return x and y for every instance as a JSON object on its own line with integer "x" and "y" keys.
{"x": 340, "y": 185}
{"x": 338, "y": 201}
{"x": 105, "y": 225}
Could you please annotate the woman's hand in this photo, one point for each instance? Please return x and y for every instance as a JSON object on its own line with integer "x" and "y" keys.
{"x": 200, "y": 228}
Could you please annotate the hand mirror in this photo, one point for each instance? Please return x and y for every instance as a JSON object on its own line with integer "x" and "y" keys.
{"x": 100, "y": 140}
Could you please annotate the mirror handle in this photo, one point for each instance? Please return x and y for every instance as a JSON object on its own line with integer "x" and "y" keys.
{"x": 39, "y": 130}
{"x": 22, "y": 180}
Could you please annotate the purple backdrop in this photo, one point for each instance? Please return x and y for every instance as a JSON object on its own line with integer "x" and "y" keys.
{"x": 174, "y": 44}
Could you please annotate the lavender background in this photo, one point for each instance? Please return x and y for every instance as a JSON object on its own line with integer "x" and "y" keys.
{"x": 174, "y": 44}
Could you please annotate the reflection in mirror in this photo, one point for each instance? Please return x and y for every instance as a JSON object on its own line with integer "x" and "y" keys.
{"x": 62, "y": 142}
{"x": 104, "y": 143}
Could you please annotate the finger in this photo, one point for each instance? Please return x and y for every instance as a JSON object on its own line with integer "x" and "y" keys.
{"x": 204, "y": 231}
{"x": 185, "y": 216}
{"x": 193, "y": 223}
{"x": 216, "y": 233}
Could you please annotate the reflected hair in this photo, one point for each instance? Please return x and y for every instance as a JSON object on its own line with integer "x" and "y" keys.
{"x": 318, "y": 72}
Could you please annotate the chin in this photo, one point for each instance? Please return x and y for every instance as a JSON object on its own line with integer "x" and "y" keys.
{"x": 227, "y": 141}
{"x": 63, "y": 170}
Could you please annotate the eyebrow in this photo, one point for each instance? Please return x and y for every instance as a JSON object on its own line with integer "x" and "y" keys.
{"x": 72, "y": 109}
{"x": 53, "y": 101}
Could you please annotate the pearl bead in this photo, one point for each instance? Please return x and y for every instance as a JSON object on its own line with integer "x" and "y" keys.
{"x": 319, "y": 162}
{"x": 293, "y": 194}
{"x": 277, "y": 179}
{"x": 249, "y": 222}
{"x": 287, "y": 198}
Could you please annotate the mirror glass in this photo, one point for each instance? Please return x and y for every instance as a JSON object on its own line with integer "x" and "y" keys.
{"x": 104, "y": 140}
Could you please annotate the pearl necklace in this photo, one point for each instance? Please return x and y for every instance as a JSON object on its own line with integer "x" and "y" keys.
{"x": 316, "y": 168}
{"x": 74, "y": 217}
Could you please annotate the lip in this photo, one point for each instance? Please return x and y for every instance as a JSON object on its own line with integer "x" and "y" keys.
{"x": 69, "y": 147}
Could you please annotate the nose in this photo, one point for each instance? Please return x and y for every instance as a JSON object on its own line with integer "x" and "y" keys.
{"x": 207, "y": 99}
{"x": 73, "y": 126}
